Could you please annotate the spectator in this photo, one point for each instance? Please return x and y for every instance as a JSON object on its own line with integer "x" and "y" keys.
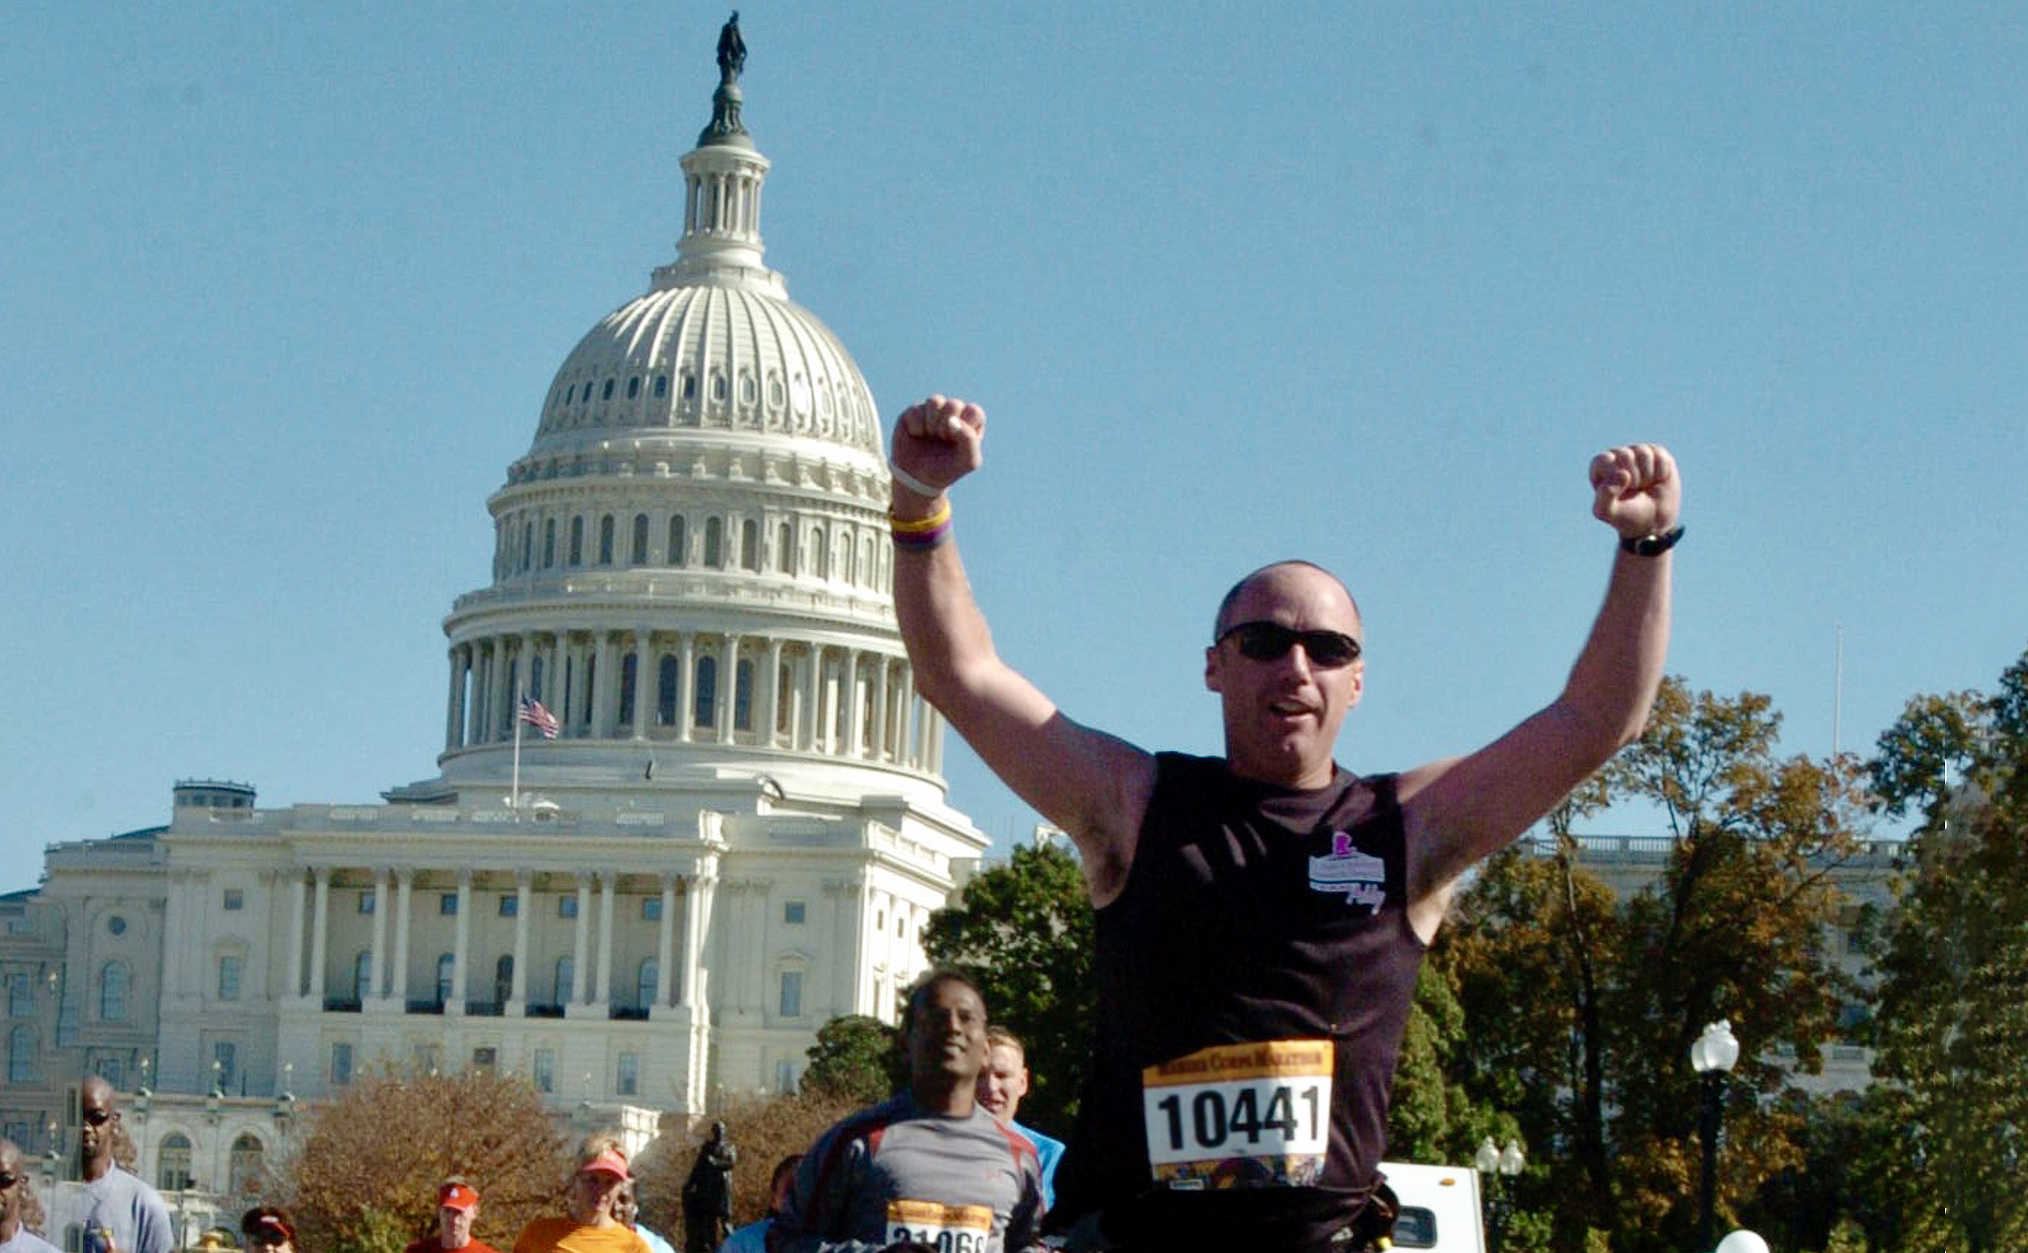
{"x": 628, "y": 1207}
{"x": 268, "y": 1230}
{"x": 753, "y": 1237}
{"x": 928, "y": 1166}
{"x": 593, "y": 1224}
{"x": 16, "y": 1196}
{"x": 457, "y": 1210}
{"x": 1001, "y": 1086}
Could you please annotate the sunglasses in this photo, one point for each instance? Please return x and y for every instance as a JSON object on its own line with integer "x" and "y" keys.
{"x": 1271, "y": 641}
{"x": 98, "y": 1117}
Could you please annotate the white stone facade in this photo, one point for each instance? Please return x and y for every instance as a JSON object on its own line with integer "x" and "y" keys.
{"x": 739, "y": 832}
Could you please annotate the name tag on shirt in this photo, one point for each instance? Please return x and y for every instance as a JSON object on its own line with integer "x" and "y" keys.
{"x": 1240, "y": 1115}
{"x": 945, "y": 1228}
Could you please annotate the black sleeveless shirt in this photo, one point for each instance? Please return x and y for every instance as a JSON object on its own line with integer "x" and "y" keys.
{"x": 1251, "y": 914}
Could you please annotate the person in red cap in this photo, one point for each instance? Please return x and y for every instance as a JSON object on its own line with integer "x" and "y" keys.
{"x": 269, "y": 1229}
{"x": 457, "y": 1210}
{"x": 593, "y": 1225}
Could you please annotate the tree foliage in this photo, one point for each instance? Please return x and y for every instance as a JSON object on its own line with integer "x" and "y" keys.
{"x": 763, "y": 1129}
{"x": 1582, "y": 1009}
{"x": 856, "y": 1059}
{"x": 1953, "y": 1017}
{"x": 1024, "y": 930}
{"x": 364, "y": 1174}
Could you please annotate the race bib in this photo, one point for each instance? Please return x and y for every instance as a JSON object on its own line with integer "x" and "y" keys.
{"x": 945, "y": 1228}
{"x": 1240, "y": 1115}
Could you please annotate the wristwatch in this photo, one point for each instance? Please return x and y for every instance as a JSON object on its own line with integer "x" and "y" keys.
{"x": 1651, "y": 545}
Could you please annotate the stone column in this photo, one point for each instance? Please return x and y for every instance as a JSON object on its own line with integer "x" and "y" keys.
{"x": 813, "y": 701}
{"x": 698, "y": 893}
{"x": 320, "y": 925}
{"x": 665, "y": 946}
{"x": 605, "y": 685}
{"x": 405, "y": 881}
{"x": 454, "y": 703}
{"x": 686, "y": 681}
{"x": 728, "y": 685}
{"x": 881, "y": 714}
{"x": 461, "y": 943}
{"x": 376, "y": 978}
{"x": 644, "y": 682}
{"x": 855, "y": 707}
{"x": 578, "y": 961}
{"x": 771, "y": 694}
{"x": 524, "y": 883}
{"x": 608, "y": 887}
{"x": 298, "y": 906}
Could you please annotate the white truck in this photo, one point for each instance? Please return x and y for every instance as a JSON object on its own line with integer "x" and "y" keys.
{"x": 1440, "y": 1207}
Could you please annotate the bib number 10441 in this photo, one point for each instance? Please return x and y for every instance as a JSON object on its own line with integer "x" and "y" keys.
{"x": 1252, "y": 1115}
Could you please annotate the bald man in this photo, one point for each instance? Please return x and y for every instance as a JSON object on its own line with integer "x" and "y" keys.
{"x": 1261, "y": 916}
{"x": 111, "y": 1201}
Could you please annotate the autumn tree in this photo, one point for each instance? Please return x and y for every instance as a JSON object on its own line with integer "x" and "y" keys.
{"x": 363, "y": 1176}
{"x": 1582, "y": 1009}
{"x": 763, "y": 1128}
{"x": 1024, "y": 930}
{"x": 1953, "y": 1014}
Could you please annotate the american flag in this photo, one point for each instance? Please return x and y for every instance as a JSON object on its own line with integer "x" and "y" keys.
{"x": 535, "y": 715}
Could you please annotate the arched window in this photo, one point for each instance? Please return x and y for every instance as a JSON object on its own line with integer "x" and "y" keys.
{"x": 785, "y": 549}
{"x": 820, "y": 562}
{"x": 742, "y": 695}
{"x": 675, "y": 555}
{"x": 503, "y": 979}
{"x": 606, "y": 540}
{"x": 639, "y": 553}
{"x": 246, "y": 1161}
{"x": 113, "y": 992}
{"x": 577, "y": 541}
{"x": 704, "y": 708}
{"x": 24, "y": 1055}
{"x": 527, "y": 545}
{"x": 173, "y": 1172}
{"x": 548, "y": 543}
{"x": 447, "y": 969}
{"x": 629, "y": 667}
{"x": 566, "y": 979}
{"x": 645, "y": 982}
{"x": 362, "y": 977}
{"x": 749, "y": 545}
{"x": 714, "y": 543}
{"x": 665, "y": 692}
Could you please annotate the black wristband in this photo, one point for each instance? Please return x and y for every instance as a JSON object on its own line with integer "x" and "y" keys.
{"x": 1651, "y": 545}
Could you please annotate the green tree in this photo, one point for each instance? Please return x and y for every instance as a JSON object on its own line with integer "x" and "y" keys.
{"x": 364, "y": 1175}
{"x": 1024, "y": 930}
{"x": 856, "y": 1059}
{"x": 1953, "y": 1017}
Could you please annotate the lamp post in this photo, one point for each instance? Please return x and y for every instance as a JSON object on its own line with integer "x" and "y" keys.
{"x": 1496, "y": 1163}
{"x": 1712, "y": 1057}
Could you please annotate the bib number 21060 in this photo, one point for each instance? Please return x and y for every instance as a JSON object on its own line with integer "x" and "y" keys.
{"x": 1240, "y": 1115}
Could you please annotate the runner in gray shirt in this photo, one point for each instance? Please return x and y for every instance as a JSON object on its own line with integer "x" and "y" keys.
{"x": 928, "y": 1168}
{"x": 111, "y": 1199}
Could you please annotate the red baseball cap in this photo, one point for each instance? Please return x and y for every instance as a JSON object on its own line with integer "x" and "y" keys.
{"x": 610, "y": 1162}
{"x": 457, "y": 1196}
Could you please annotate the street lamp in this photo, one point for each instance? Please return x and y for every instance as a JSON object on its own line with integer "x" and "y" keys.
{"x": 1712, "y": 1056}
{"x": 1496, "y": 1163}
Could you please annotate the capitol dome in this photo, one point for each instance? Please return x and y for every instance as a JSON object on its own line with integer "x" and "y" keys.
{"x": 691, "y": 565}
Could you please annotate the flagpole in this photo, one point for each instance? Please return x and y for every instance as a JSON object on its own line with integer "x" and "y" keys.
{"x": 514, "y": 793}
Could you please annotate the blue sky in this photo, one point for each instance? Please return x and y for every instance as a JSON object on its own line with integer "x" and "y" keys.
{"x": 282, "y": 288}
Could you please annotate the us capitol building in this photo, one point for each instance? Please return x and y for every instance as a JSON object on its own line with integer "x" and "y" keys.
{"x": 738, "y": 833}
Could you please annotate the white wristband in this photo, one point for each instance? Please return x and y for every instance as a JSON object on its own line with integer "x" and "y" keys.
{"x": 913, "y": 483}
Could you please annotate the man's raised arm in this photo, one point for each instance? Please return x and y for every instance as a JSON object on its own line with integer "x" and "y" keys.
{"x": 1461, "y": 810}
{"x": 1095, "y": 786}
